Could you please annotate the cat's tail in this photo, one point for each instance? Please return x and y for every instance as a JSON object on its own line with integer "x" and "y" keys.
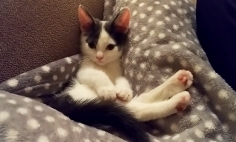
{"x": 99, "y": 113}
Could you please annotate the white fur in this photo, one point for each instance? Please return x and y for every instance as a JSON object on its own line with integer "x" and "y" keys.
{"x": 105, "y": 81}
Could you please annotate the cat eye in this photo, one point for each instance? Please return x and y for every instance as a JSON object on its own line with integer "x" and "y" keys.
{"x": 92, "y": 45}
{"x": 110, "y": 46}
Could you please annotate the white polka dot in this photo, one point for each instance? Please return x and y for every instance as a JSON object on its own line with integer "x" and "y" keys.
{"x": 207, "y": 87}
{"x": 87, "y": 140}
{"x": 210, "y": 125}
{"x": 49, "y": 119}
{"x": 166, "y": 6}
{"x": 167, "y": 19}
{"x": 150, "y": 20}
{"x": 144, "y": 28}
{"x": 76, "y": 129}
{"x": 194, "y": 119}
{"x": 225, "y": 127}
{"x": 101, "y": 133}
{"x": 143, "y": 65}
{"x": 192, "y": 8}
{"x": 141, "y": 4}
{"x": 67, "y": 76}
{"x": 175, "y": 137}
{"x": 54, "y": 77}
{"x": 232, "y": 116}
{"x": 4, "y": 116}
{"x": 185, "y": 11}
{"x": 33, "y": 123}
{"x": 142, "y": 15}
{"x": 157, "y": 54}
{"x": 180, "y": 11}
{"x": 11, "y": 135}
{"x": 107, "y": 3}
{"x": 156, "y": 2}
{"x": 22, "y": 111}
{"x": 131, "y": 73}
{"x": 11, "y": 102}
{"x": 149, "y": 8}
{"x": 197, "y": 68}
{"x": 219, "y": 138}
{"x": 189, "y": 140}
{"x": 175, "y": 27}
{"x": 139, "y": 76}
{"x": 146, "y": 53}
{"x": 134, "y": 12}
{"x": 180, "y": 2}
{"x": 173, "y": 127}
{"x": 137, "y": 38}
{"x": 43, "y": 138}
{"x": 38, "y": 108}
{"x": 170, "y": 59}
{"x": 46, "y": 86}
{"x": 186, "y": 20}
{"x": 135, "y": 24}
{"x": 63, "y": 117}
{"x": 172, "y": 3}
{"x": 28, "y": 89}
{"x": 133, "y": 1}
{"x": 134, "y": 62}
{"x": 173, "y": 15}
{"x": 2, "y": 95}
{"x": 212, "y": 74}
{"x": 62, "y": 69}
{"x": 68, "y": 60}
{"x": 37, "y": 78}
{"x": 176, "y": 46}
{"x": 27, "y": 100}
{"x": 46, "y": 68}
{"x": 200, "y": 107}
{"x": 223, "y": 94}
{"x": 183, "y": 63}
{"x": 166, "y": 137}
{"x": 158, "y": 12}
{"x": 156, "y": 140}
{"x": 181, "y": 23}
{"x": 161, "y": 35}
{"x": 62, "y": 132}
{"x": 12, "y": 82}
{"x": 199, "y": 133}
{"x": 152, "y": 32}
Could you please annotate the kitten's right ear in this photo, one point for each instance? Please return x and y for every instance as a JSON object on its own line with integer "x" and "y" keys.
{"x": 85, "y": 19}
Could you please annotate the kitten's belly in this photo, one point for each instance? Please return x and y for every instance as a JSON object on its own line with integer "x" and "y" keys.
{"x": 80, "y": 92}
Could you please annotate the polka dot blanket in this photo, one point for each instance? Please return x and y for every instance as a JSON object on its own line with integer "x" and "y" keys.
{"x": 163, "y": 41}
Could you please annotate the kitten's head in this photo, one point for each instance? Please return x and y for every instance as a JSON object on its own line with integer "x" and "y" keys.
{"x": 102, "y": 41}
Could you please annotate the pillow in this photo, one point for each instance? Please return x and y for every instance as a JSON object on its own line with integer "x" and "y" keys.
{"x": 34, "y": 33}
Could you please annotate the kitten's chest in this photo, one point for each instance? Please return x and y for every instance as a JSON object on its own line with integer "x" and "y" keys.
{"x": 112, "y": 72}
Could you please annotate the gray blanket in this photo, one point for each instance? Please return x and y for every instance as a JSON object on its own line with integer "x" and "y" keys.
{"x": 162, "y": 41}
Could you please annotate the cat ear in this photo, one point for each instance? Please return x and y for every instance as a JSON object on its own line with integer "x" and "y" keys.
{"x": 122, "y": 20}
{"x": 85, "y": 19}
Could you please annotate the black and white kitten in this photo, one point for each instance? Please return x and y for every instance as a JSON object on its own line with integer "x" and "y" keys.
{"x": 101, "y": 95}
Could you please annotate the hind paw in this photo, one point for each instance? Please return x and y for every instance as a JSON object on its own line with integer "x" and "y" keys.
{"x": 182, "y": 100}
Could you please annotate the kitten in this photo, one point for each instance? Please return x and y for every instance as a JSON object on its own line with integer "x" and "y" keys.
{"x": 100, "y": 95}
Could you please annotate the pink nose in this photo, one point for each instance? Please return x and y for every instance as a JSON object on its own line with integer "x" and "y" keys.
{"x": 99, "y": 57}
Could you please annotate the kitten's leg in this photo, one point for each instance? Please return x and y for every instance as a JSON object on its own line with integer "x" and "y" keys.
{"x": 98, "y": 81}
{"x": 123, "y": 89}
{"x": 151, "y": 111}
{"x": 179, "y": 82}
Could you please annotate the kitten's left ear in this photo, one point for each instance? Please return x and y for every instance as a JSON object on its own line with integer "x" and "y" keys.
{"x": 122, "y": 20}
{"x": 85, "y": 19}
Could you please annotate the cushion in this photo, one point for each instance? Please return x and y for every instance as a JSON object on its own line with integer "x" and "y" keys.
{"x": 34, "y": 33}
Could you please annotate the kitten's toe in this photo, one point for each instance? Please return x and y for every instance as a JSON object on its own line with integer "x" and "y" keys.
{"x": 182, "y": 100}
{"x": 124, "y": 94}
{"x": 107, "y": 93}
{"x": 185, "y": 77}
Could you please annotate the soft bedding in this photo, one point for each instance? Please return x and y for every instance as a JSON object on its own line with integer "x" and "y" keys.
{"x": 162, "y": 41}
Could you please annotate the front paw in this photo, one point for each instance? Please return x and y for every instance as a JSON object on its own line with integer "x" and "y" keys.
{"x": 182, "y": 80}
{"x": 107, "y": 93}
{"x": 124, "y": 94}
